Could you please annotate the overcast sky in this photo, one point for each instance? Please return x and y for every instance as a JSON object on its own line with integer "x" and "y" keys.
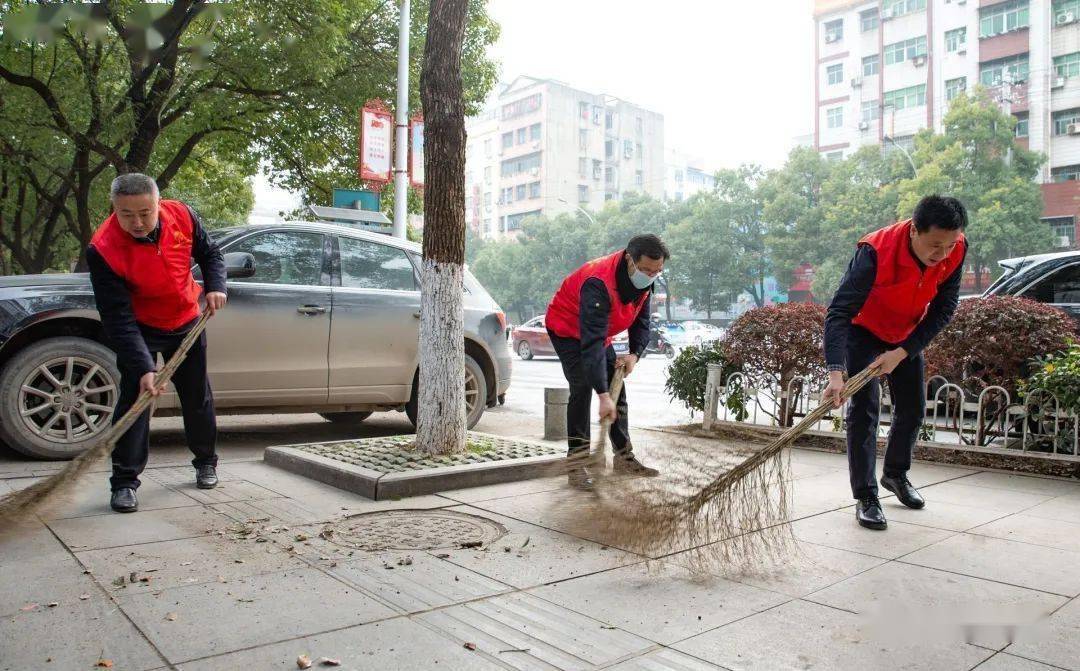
{"x": 731, "y": 77}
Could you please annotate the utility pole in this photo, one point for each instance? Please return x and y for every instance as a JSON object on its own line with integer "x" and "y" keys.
{"x": 401, "y": 126}
{"x": 1006, "y": 106}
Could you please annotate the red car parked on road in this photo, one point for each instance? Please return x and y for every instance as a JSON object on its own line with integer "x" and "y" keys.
{"x": 531, "y": 339}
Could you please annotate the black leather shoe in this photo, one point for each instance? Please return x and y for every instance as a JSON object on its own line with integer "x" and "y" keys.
{"x": 205, "y": 477}
{"x": 124, "y": 501}
{"x": 868, "y": 512}
{"x": 579, "y": 478}
{"x": 629, "y": 465}
{"x": 906, "y": 494}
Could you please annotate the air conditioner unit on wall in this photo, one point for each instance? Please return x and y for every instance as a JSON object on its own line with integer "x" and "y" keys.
{"x": 1058, "y": 83}
{"x": 856, "y": 82}
{"x": 829, "y": 39}
{"x": 1063, "y": 241}
{"x": 1073, "y": 129}
{"x": 864, "y": 125}
{"x": 919, "y": 61}
{"x": 1065, "y": 18}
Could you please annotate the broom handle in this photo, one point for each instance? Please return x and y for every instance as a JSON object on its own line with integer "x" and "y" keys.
{"x": 614, "y": 389}
{"x": 162, "y": 378}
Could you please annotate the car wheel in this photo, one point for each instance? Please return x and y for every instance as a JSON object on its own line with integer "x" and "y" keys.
{"x": 57, "y": 397}
{"x": 524, "y": 350}
{"x": 345, "y": 417}
{"x": 475, "y": 394}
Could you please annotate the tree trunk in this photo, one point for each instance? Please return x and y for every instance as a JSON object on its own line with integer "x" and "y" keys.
{"x": 440, "y": 426}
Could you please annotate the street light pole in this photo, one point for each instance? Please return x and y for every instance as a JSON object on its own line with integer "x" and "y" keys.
{"x": 401, "y": 126}
{"x": 579, "y": 209}
{"x": 914, "y": 170}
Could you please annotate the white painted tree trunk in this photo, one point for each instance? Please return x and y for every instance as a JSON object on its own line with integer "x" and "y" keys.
{"x": 440, "y": 416}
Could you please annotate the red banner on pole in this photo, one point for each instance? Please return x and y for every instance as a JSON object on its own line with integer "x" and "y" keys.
{"x": 416, "y": 151}
{"x": 376, "y": 142}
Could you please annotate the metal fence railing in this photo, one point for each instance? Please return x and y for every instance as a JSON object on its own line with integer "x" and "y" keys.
{"x": 989, "y": 420}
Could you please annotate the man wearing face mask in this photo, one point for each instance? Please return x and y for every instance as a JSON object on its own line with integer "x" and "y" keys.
{"x": 900, "y": 290}
{"x": 595, "y": 303}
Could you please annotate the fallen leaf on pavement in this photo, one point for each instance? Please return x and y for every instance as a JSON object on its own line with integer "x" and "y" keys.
{"x": 186, "y": 563}
{"x": 171, "y": 617}
{"x": 29, "y": 607}
{"x": 470, "y": 646}
{"x": 303, "y": 662}
{"x": 300, "y": 538}
{"x": 53, "y": 604}
{"x": 238, "y": 561}
{"x": 326, "y": 661}
{"x": 472, "y": 544}
{"x": 131, "y": 577}
{"x": 527, "y": 539}
{"x": 442, "y": 556}
{"x": 104, "y": 664}
{"x": 604, "y": 626}
{"x": 84, "y": 597}
{"x": 119, "y": 582}
{"x": 506, "y": 548}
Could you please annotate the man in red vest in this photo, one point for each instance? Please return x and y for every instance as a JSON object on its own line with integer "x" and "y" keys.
{"x": 900, "y": 290}
{"x": 595, "y": 303}
{"x": 140, "y": 268}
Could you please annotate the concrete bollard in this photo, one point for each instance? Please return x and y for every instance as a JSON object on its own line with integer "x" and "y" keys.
{"x": 713, "y": 385}
{"x": 555, "y": 401}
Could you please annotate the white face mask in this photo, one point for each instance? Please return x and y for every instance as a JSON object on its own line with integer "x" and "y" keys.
{"x": 639, "y": 279}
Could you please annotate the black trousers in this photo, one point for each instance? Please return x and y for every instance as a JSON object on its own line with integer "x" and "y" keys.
{"x": 578, "y": 420}
{"x": 908, "y": 409}
{"x": 192, "y": 386}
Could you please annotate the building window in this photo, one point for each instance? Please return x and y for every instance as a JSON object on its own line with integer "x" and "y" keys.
{"x": 487, "y": 147}
{"x": 898, "y": 52}
{"x": 1063, "y": 229}
{"x": 1066, "y": 173}
{"x": 835, "y": 117}
{"x": 868, "y": 20}
{"x": 913, "y": 96}
{"x": 583, "y": 139}
{"x": 583, "y": 194}
{"x": 835, "y": 73}
{"x": 534, "y": 132}
{"x": 507, "y": 196}
{"x": 955, "y": 40}
{"x": 1062, "y": 8}
{"x": 487, "y": 174}
{"x": 507, "y": 140}
{"x": 639, "y": 178}
{"x": 627, "y": 149}
{"x": 597, "y": 171}
{"x": 954, "y": 87}
{"x": 521, "y": 164}
{"x": 870, "y": 111}
{"x": 597, "y": 114}
{"x": 834, "y": 30}
{"x": 871, "y": 65}
{"x": 583, "y": 167}
{"x": 609, "y": 149}
{"x": 1064, "y": 119}
{"x": 1021, "y": 125}
{"x": 513, "y": 221}
{"x": 522, "y": 134}
{"x": 993, "y": 73}
{"x": 609, "y": 120}
{"x": 893, "y": 8}
{"x": 834, "y": 156}
{"x": 583, "y": 110}
{"x": 519, "y": 193}
{"x": 521, "y": 107}
{"x": 1003, "y": 18}
{"x": 609, "y": 176}
{"x": 534, "y": 189}
{"x": 1067, "y": 65}
{"x": 487, "y": 199}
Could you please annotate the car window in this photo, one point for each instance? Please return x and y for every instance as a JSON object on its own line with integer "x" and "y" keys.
{"x": 283, "y": 257}
{"x": 1061, "y": 286}
{"x": 369, "y": 265}
{"x": 535, "y": 322}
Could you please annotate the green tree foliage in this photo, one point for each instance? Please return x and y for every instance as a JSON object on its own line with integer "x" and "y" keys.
{"x": 90, "y": 90}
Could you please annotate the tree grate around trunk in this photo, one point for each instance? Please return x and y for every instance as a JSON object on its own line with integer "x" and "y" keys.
{"x": 397, "y": 454}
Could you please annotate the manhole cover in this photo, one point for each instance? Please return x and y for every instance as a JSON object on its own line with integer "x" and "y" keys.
{"x": 413, "y": 530}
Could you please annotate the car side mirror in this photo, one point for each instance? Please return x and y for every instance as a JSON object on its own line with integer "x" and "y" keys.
{"x": 239, "y": 265}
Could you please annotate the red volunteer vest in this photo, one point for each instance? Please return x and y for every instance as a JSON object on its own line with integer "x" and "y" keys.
{"x": 564, "y": 311}
{"x": 902, "y": 290}
{"x": 164, "y": 294}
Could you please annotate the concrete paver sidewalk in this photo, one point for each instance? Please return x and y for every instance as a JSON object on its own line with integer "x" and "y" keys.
{"x": 181, "y": 585}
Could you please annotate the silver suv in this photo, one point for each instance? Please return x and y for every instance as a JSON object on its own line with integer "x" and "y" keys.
{"x": 321, "y": 318}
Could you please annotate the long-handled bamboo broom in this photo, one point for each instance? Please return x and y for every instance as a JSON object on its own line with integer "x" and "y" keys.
{"x": 744, "y": 506}
{"x": 19, "y": 507}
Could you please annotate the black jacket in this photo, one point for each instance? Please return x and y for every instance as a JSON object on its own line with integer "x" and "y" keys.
{"x": 595, "y": 307}
{"x": 114, "y": 298}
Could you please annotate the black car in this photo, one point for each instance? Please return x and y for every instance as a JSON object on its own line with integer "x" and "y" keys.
{"x": 1053, "y": 279}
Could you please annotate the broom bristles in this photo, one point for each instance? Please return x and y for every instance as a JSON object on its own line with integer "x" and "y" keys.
{"x": 20, "y": 507}
{"x": 738, "y": 517}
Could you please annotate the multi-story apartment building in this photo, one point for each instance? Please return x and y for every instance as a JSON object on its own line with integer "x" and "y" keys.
{"x": 685, "y": 175}
{"x": 545, "y": 148}
{"x": 885, "y": 69}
